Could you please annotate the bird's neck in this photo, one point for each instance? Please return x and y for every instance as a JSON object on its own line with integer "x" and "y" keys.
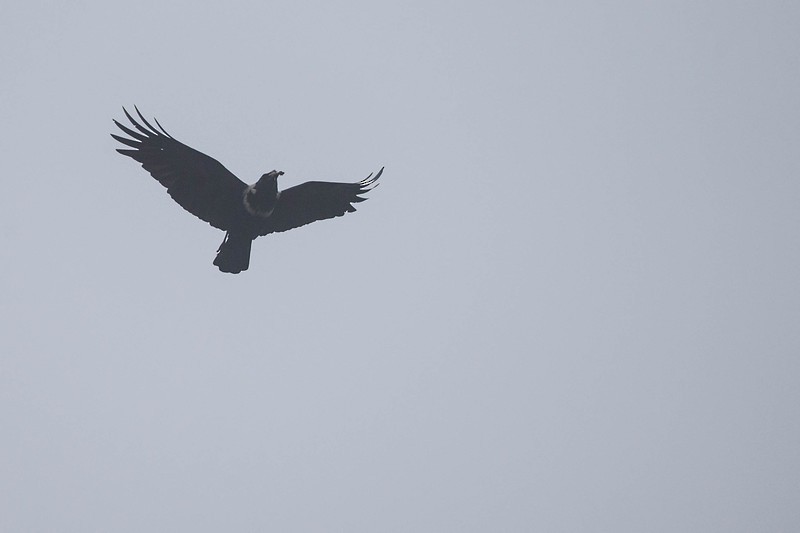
{"x": 260, "y": 199}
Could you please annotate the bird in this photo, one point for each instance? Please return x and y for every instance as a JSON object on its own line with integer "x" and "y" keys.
{"x": 205, "y": 188}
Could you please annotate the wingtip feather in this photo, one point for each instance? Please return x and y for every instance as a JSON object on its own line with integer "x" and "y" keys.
{"x": 152, "y": 129}
{"x": 126, "y": 141}
{"x": 162, "y": 128}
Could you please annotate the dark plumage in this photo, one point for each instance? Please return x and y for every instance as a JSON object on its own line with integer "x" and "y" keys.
{"x": 205, "y": 188}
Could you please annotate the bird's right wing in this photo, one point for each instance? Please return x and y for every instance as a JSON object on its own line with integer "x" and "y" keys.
{"x": 199, "y": 183}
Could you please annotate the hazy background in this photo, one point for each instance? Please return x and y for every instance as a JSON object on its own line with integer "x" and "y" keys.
{"x": 572, "y": 304}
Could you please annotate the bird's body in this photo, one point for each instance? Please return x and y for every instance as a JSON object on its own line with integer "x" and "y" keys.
{"x": 205, "y": 188}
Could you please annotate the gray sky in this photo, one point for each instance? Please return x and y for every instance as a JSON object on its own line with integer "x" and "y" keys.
{"x": 572, "y": 304}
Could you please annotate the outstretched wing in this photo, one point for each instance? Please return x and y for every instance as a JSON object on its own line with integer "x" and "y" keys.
{"x": 199, "y": 183}
{"x": 316, "y": 200}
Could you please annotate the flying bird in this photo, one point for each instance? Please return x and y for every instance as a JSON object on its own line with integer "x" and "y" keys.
{"x": 204, "y": 187}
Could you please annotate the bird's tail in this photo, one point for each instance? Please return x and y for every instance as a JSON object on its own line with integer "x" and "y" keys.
{"x": 233, "y": 254}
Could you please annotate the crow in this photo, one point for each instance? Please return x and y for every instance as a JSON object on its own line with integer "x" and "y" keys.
{"x": 209, "y": 191}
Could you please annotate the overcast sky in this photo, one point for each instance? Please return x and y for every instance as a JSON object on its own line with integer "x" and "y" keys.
{"x": 571, "y": 305}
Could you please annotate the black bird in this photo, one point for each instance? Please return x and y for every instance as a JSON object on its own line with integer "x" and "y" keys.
{"x": 209, "y": 191}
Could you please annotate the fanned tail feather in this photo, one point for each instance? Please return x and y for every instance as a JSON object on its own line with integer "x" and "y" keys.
{"x": 233, "y": 255}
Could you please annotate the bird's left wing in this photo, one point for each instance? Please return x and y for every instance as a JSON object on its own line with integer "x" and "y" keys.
{"x": 199, "y": 183}
{"x": 316, "y": 200}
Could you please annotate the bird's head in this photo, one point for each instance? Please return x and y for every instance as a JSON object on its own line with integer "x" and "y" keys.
{"x": 270, "y": 177}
